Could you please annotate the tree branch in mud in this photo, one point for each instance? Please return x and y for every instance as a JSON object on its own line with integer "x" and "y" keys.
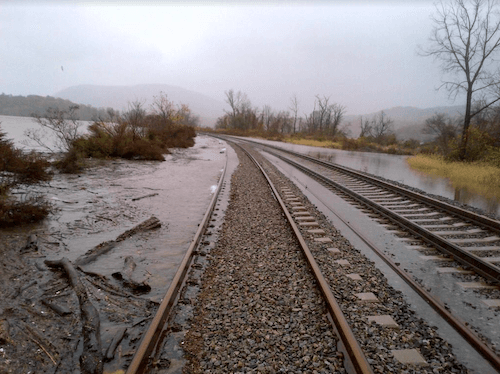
{"x": 103, "y": 248}
{"x": 91, "y": 360}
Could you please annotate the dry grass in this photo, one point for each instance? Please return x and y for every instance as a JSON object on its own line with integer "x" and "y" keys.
{"x": 478, "y": 177}
{"x": 314, "y": 142}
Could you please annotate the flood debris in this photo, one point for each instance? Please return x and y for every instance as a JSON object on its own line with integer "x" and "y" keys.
{"x": 19, "y": 289}
{"x": 5, "y": 332}
{"x": 127, "y": 279}
{"x": 103, "y": 248}
{"x": 45, "y": 345}
{"x": 144, "y": 197}
{"x": 149, "y": 224}
{"x": 117, "y": 338}
{"x": 91, "y": 359}
{"x": 31, "y": 244}
{"x": 60, "y": 309}
{"x": 92, "y": 254}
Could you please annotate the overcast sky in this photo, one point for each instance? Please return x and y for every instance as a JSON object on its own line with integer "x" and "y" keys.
{"x": 361, "y": 54}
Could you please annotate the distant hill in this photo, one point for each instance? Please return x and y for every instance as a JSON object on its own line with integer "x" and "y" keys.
{"x": 119, "y": 97}
{"x": 27, "y": 106}
{"x": 408, "y": 121}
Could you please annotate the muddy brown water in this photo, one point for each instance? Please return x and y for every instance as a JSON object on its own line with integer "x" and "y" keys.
{"x": 92, "y": 208}
{"x": 99, "y": 205}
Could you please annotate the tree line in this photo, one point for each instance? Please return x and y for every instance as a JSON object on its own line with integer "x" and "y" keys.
{"x": 326, "y": 120}
{"x": 34, "y": 105}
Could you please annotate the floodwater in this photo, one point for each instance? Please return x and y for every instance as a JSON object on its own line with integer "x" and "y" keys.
{"x": 396, "y": 168}
{"x": 108, "y": 200}
{"x": 114, "y": 196}
{"x": 15, "y": 128}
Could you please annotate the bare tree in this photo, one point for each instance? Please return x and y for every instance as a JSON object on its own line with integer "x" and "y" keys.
{"x": 237, "y": 101}
{"x": 63, "y": 124}
{"x": 322, "y": 113}
{"x": 381, "y": 126}
{"x": 443, "y": 128}
{"x": 163, "y": 107}
{"x": 335, "y": 116}
{"x": 328, "y": 117}
{"x": 466, "y": 39}
{"x": 134, "y": 118}
{"x": 366, "y": 128}
{"x": 294, "y": 107}
{"x": 267, "y": 117}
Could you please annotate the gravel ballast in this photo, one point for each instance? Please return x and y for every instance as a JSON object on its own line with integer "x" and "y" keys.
{"x": 259, "y": 310}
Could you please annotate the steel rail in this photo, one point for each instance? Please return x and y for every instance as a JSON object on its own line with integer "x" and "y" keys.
{"x": 454, "y": 321}
{"x": 486, "y": 269}
{"x": 148, "y": 343}
{"x": 478, "y": 219}
{"x": 355, "y": 354}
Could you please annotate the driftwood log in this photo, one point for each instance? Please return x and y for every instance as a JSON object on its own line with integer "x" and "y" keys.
{"x": 149, "y": 224}
{"x": 126, "y": 277}
{"x": 62, "y": 310}
{"x": 145, "y": 196}
{"x": 110, "y": 352}
{"x": 95, "y": 252}
{"x": 91, "y": 360}
{"x": 105, "y": 247}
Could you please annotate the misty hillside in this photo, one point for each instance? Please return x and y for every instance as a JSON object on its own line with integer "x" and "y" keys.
{"x": 408, "y": 121}
{"x": 34, "y": 105}
{"x": 119, "y": 97}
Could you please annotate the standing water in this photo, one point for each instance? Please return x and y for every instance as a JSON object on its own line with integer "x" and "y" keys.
{"x": 396, "y": 168}
{"x": 107, "y": 199}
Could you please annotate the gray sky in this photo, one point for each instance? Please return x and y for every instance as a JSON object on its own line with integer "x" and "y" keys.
{"x": 363, "y": 54}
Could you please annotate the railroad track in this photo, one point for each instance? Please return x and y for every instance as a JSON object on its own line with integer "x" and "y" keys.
{"x": 423, "y": 223}
{"x": 355, "y": 360}
{"x": 308, "y": 232}
{"x": 144, "y": 358}
{"x": 454, "y": 231}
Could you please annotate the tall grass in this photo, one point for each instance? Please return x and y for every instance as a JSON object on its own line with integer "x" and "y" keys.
{"x": 479, "y": 177}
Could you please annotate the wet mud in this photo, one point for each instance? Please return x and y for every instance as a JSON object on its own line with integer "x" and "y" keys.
{"x": 100, "y": 212}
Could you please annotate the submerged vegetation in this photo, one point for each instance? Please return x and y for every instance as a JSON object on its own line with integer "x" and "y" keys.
{"x": 479, "y": 177}
{"x": 19, "y": 169}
